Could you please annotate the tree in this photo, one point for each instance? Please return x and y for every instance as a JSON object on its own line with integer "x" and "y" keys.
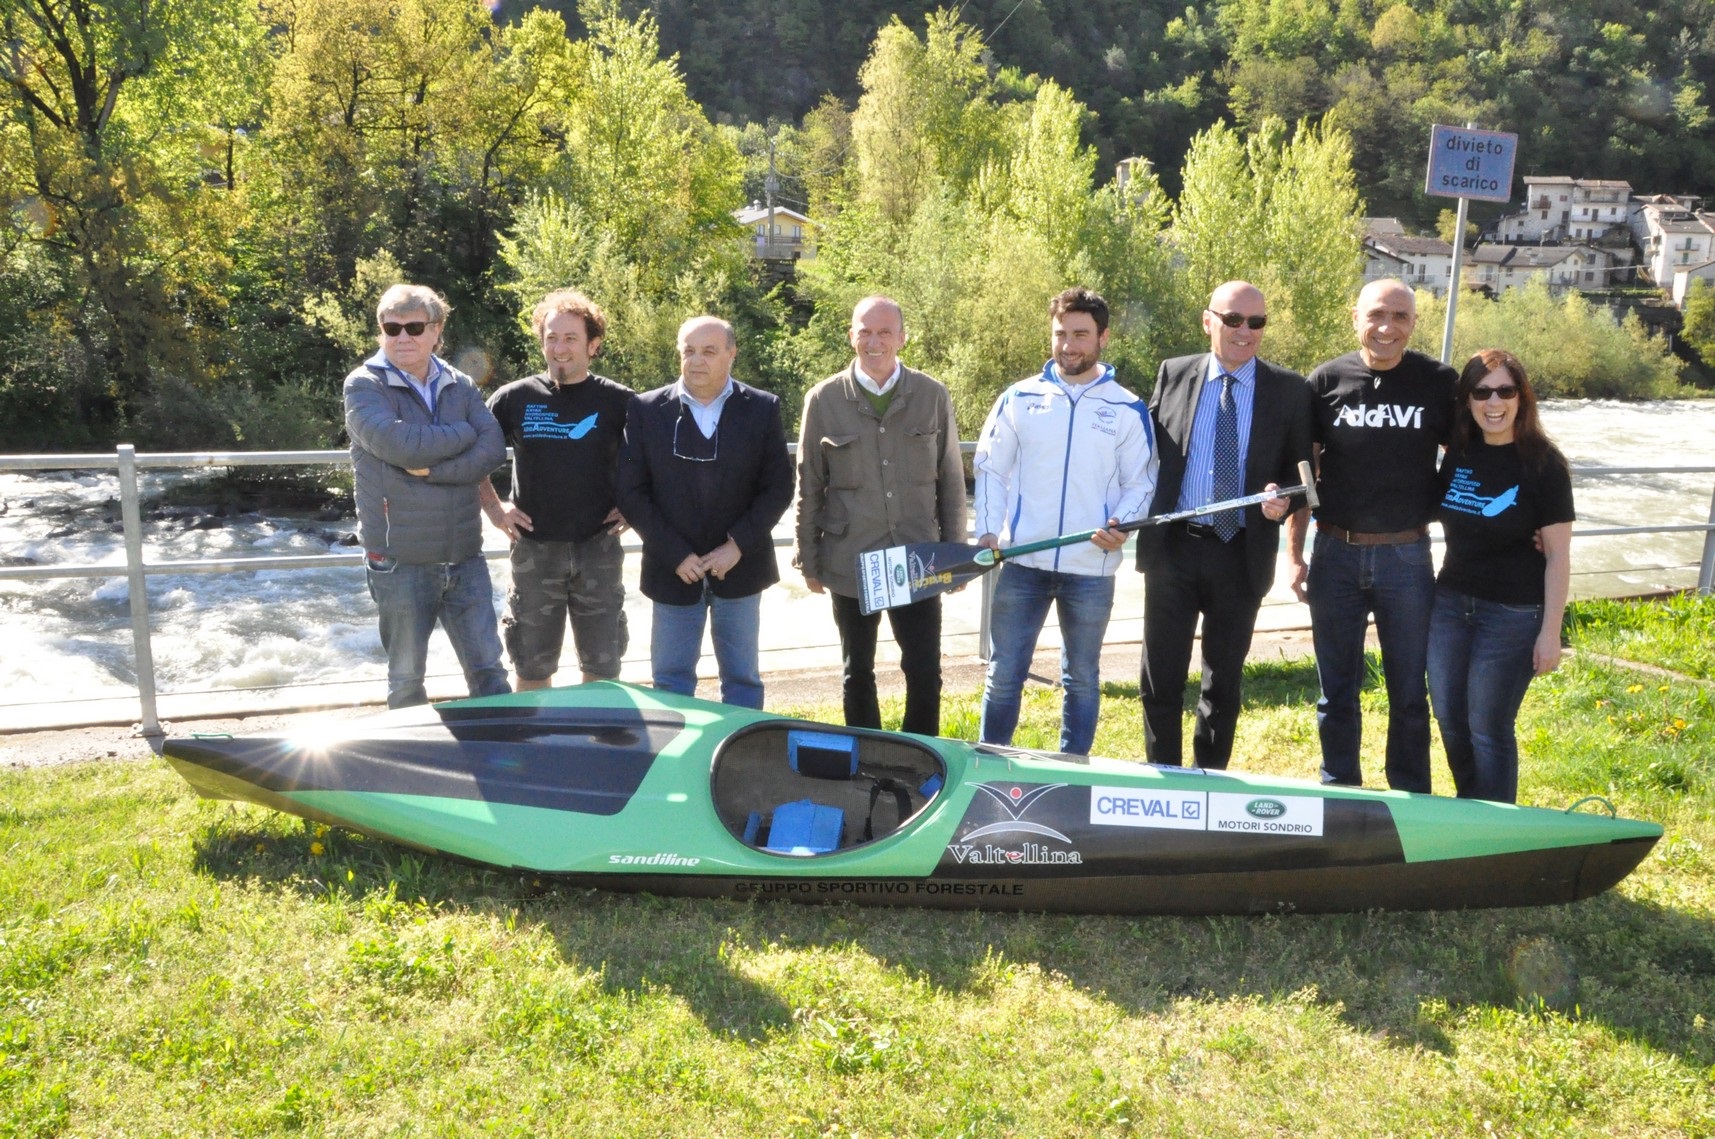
{"x": 112, "y": 112}
{"x": 1004, "y": 213}
{"x": 1281, "y": 213}
{"x": 1699, "y": 331}
{"x": 1572, "y": 348}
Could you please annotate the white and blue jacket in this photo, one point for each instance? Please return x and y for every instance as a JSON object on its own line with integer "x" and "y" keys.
{"x": 1056, "y": 459}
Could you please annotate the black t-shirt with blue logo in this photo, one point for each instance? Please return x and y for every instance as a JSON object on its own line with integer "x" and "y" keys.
{"x": 565, "y": 451}
{"x": 1380, "y": 434}
{"x": 1492, "y": 505}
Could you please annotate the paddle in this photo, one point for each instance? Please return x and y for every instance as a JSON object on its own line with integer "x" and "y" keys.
{"x": 900, "y": 575}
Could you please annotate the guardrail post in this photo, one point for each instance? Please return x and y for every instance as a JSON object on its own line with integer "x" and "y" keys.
{"x": 1706, "y": 571}
{"x": 131, "y": 510}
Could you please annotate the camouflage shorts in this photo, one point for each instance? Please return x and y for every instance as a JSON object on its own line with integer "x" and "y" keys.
{"x": 556, "y": 581}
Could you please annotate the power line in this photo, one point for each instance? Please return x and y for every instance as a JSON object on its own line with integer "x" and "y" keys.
{"x": 990, "y": 34}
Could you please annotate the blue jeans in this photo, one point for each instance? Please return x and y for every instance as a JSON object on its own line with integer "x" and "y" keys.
{"x": 1021, "y": 600}
{"x": 676, "y": 644}
{"x": 1347, "y": 584}
{"x": 1480, "y": 663}
{"x": 411, "y": 599}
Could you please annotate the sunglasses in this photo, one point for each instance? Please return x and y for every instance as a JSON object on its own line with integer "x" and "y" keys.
{"x": 410, "y": 328}
{"x": 1505, "y": 391}
{"x": 1234, "y": 319}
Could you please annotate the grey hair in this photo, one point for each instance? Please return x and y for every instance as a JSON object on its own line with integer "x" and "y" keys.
{"x": 401, "y": 299}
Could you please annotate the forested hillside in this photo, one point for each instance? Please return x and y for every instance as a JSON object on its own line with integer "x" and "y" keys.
{"x": 1596, "y": 88}
{"x": 201, "y": 199}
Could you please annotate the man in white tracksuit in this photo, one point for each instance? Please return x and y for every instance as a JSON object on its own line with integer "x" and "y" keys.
{"x": 1065, "y": 451}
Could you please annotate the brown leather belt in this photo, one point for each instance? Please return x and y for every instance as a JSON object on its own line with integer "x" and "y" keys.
{"x": 1391, "y": 538}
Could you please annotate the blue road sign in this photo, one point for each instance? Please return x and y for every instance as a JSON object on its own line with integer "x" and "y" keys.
{"x": 1469, "y": 163}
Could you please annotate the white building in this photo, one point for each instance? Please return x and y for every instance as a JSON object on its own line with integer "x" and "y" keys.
{"x": 1672, "y": 236}
{"x": 1502, "y": 267}
{"x": 1421, "y": 262}
{"x": 1685, "y": 274}
{"x": 790, "y": 239}
{"x": 1562, "y": 210}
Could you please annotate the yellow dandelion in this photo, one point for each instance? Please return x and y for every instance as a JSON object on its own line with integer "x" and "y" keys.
{"x": 317, "y": 849}
{"x": 1634, "y": 688}
{"x": 1613, "y": 719}
{"x": 1679, "y": 724}
{"x": 321, "y": 830}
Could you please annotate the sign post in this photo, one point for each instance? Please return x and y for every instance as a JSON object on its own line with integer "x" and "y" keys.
{"x": 1467, "y": 163}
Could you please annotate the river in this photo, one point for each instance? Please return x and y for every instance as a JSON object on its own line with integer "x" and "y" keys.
{"x": 287, "y": 638}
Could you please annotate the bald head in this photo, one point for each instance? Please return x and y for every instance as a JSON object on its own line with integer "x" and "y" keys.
{"x": 1383, "y": 318}
{"x": 877, "y": 334}
{"x": 1233, "y": 308}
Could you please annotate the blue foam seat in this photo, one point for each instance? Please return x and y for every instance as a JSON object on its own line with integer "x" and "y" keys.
{"x": 805, "y": 828}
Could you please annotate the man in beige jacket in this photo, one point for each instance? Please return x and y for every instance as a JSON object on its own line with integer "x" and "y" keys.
{"x": 878, "y": 465}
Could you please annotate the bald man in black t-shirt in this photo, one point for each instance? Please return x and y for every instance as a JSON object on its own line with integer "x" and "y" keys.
{"x": 1380, "y": 416}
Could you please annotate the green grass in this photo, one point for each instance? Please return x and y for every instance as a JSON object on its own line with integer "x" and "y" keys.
{"x": 170, "y": 966}
{"x": 1678, "y": 633}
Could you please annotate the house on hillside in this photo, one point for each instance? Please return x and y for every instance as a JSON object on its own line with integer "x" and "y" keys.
{"x": 1561, "y": 210}
{"x": 1497, "y": 268}
{"x": 1673, "y": 236}
{"x": 1421, "y": 262}
{"x": 779, "y": 234}
{"x": 1685, "y": 274}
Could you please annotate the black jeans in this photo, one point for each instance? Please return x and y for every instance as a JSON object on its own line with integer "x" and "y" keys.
{"x": 917, "y": 628}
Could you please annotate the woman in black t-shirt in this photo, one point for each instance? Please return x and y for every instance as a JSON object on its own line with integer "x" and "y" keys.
{"x": 1499, "y": 596}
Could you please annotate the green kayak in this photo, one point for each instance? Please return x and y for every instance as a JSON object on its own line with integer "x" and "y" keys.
{"x": 627, "y": 788}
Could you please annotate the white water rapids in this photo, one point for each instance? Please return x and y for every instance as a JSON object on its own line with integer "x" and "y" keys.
{"x": 264, "y": 639}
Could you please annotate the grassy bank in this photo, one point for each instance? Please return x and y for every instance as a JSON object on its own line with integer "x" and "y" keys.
{"x": 175, "y": 967}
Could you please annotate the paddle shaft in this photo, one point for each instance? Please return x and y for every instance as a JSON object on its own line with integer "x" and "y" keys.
{"x": 1306, "y": 488}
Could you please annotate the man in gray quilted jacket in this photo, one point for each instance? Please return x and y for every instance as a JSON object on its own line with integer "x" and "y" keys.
{"x": 422, "y": 440}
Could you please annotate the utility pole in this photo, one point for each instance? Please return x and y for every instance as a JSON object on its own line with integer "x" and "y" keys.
{"x": 769, "y": 186}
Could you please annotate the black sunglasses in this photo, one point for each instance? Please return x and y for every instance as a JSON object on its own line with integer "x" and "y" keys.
{"x": 1505, "y": 391}
{"x": 1234, "y": 319}
{"x": 410, "y": 328}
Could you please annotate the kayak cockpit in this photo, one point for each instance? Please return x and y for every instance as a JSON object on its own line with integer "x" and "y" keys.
{"x": 798, "y": 788}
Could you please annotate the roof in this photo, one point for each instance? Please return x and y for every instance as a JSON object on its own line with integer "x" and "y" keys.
{"x": 755, "y": 213}
{"x": 1403, "y": 244}
{"x": 1527, "y": 256}
{"x": 1588, "y": 183}
{"x": 1670, "y": 219}
{"x": 1374, "y": 226}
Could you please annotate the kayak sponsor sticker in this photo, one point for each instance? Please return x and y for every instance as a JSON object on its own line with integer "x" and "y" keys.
{"x": 1221, "y": 811}
{"x": 1019, "y": 824}
{"x": 1265, "y": 814}
{"x": 1140, "y": 807}
{"x": 664, "y": 858}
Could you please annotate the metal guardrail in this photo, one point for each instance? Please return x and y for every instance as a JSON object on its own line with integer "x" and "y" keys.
{"x": 136, "y": 571}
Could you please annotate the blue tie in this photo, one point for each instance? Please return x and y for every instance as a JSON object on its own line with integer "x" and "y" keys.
{"x": 1226, "y": 483}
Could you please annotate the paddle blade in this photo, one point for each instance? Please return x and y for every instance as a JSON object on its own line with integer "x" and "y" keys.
{"x": 900, "y": 575}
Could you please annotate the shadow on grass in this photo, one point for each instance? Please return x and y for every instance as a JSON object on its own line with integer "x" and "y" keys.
{"x": 1638, "y": 969}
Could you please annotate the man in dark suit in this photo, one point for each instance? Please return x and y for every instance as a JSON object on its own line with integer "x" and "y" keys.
{"x": 1228, "y": 424}
{"x": 703, "y": 478}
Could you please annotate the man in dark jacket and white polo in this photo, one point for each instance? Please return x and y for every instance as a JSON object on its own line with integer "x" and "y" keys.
{"x": 703, "y": 478}
{"x": 421, "y": 441}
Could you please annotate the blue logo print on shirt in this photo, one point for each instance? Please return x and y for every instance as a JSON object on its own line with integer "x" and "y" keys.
{"x": 540, "y": 422}
{"x": 1462, "y": 496}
